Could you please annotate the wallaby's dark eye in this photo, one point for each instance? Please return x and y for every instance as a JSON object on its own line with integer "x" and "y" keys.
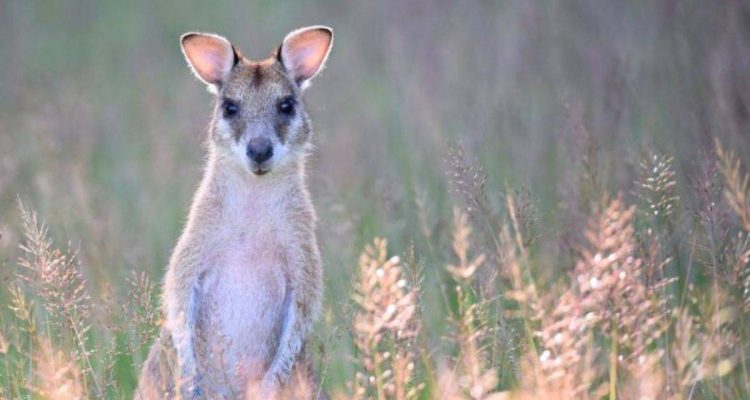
{"x": 230, "y": 108}
{"x": 286, "y": 106}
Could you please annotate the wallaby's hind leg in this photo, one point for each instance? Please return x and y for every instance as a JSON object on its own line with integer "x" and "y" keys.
{"x": 306, "y": 379}
{"x": 157, "y": 379}
{"x": 304, "y": 384}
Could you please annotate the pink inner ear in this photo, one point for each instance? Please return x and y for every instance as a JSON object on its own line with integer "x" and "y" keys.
{"x": 307, "y": 60}
{"x": 304, "y": 53}
{"x": 211, "y": 57}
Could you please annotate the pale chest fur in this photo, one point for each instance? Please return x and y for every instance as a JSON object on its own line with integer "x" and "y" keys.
{"x": 242, "y": 294}
{"x": 245, "y": 289}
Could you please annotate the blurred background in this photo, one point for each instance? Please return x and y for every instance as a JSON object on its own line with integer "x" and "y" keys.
{"x": 102, "y": 124}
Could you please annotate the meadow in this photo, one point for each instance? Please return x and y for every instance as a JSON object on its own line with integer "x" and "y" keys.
{"x": 516, "y": 199}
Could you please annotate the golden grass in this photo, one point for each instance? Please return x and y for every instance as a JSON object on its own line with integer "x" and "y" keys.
{"x": 616, "y": 322}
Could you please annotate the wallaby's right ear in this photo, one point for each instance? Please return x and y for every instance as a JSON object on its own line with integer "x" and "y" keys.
{"x": 210, "y": 56}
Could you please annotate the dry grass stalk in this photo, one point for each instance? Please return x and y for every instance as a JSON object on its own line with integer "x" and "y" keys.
{"x": 658, "y": 185}
{"x": 57, "y": 376}
{"x": 142, "y": 307}
{"x": 522, "y": 209}
{"x": 385, "y": 325}
{"x": 737, "y": 194}
{"x": 737, "y": 190}
{"x": 420, "y": 201}
{"x": 506, "y": 341}
{"x": 608, "y": 298}
{"x": 564, "y": 367}
{"x": 701, "y": 350}
{"x": 22, "y": 309}
{"x": 514, "y": 260}
{"x": 739, "y": 261}
{"x": 514, "y": 268}
{"x": 3, "y": 344}
{"x": 464, "y": 271}
{"x": 646, "y": 379}
{"x": 470, "y": 377}
{"x": 611, "y": 285}
{"x": 54, "y": 277}
{"x": 713, "y": 211}
{"x": 468, "y": 181}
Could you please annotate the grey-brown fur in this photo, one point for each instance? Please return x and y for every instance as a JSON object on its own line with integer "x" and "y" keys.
{"x": 254, "y": 77}
{"x": 244, "y": 283}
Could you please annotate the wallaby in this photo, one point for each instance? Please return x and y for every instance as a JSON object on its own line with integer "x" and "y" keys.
{"x": 244, "y": 283}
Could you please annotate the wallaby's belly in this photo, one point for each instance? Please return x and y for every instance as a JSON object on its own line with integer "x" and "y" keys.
{"x": 241, "y": 313}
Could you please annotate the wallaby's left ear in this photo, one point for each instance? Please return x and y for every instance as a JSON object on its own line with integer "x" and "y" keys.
{"x": 304, "y": 51}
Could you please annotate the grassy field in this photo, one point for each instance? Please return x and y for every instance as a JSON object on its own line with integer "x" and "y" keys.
{"x": 564, "y": 185}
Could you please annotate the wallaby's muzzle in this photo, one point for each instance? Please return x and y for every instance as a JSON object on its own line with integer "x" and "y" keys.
{"x": 259, "y": 150}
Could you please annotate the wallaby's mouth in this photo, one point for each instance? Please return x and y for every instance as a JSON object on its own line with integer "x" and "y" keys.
{"x": 260, "y": 171}
{"x": 260, "y": 168}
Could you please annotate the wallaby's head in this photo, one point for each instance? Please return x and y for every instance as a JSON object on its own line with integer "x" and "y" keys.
{"x": 259, "y": 122}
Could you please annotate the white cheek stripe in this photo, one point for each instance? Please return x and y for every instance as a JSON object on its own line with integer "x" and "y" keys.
{"x": 223, "y": 128}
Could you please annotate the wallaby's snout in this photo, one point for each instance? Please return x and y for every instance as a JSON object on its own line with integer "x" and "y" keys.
{"x": 260, "y": 150}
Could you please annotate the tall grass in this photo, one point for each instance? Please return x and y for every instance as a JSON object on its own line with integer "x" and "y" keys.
{"x": 563, "y": 187}
{"x": 613, "y": 326}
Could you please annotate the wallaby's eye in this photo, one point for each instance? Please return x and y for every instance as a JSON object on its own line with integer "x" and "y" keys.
{"x": 286, "y": 106}
{"x": 230, "y": 108}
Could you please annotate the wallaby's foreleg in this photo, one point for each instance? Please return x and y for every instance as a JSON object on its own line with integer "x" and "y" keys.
{"x": 181, "y": 300}
{"x": 301, "y": 312}
{"x": 157, "y": 377}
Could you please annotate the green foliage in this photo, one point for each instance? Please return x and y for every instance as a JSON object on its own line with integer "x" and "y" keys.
{"x": 525, "y": 116}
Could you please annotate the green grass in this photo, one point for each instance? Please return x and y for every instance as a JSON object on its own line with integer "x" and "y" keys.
{"x": 102, "y": 125}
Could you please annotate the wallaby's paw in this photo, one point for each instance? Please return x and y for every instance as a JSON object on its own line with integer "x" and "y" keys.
{"x": 190, "y": 388}
{"x": 268, "y": 389}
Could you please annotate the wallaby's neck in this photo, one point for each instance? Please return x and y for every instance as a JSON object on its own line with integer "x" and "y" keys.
{"x": 228, "y": 188}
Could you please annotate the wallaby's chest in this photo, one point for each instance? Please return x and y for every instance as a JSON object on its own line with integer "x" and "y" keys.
{"x": 244, "y": 296}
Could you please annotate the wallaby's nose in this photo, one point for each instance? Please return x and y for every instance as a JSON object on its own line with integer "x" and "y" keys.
{"x": 260, "y": 149}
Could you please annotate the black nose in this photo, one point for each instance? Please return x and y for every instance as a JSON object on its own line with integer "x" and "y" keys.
{"x": 260, "y": 150}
